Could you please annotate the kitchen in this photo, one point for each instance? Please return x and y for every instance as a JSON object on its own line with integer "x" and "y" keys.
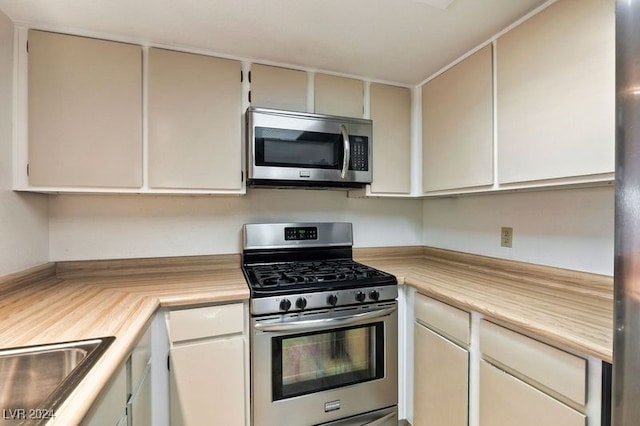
{"x": 568, "y": 228}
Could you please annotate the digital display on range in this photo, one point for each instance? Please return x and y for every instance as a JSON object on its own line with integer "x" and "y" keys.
{"x": 301, "y": 233}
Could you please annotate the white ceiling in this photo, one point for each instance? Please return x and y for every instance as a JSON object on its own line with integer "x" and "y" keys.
{"x": 401, "y": 41}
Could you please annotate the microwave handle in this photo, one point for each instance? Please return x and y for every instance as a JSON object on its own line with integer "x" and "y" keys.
{"x": 347, "y": 150}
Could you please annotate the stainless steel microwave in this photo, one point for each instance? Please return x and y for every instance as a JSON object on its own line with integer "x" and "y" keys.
{"x": 288, "y": 148}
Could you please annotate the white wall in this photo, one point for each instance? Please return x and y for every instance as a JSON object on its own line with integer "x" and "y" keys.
{"x": 98, "y": 227}
{"x": 24, "y": 233}
{"x": 566, "y": 228}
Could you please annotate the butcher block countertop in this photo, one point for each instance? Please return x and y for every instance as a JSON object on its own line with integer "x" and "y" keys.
{"x": 87, "y": 299}
{"x": 569, "y": 308}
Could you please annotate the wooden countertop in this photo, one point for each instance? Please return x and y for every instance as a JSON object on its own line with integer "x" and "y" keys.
{"x": 569, "y": 308}
{"x": 80, "y": 300}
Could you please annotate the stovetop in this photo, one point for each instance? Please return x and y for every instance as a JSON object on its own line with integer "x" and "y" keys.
{"x": 296, "y": 276}
{"x": 303, "y": 266}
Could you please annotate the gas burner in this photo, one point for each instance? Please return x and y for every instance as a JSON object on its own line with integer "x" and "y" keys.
{"x": 313, "y": 268}
{"x": 309, "y": 273}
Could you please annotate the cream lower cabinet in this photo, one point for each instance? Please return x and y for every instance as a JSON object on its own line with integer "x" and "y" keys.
{"x": 506, "y": 400}
{"x": 441, "y": 368}
{"x": 139, "y": 402}
{"x": 127, "y": 399}
{"x": 109, "y": 408}
{"x": 472, "y": 371}
{"x": 208, "y": 366}
{"x": 526, "y": 382}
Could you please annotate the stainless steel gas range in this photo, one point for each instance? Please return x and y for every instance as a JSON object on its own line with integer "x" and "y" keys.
{"x": 324, "y": 338}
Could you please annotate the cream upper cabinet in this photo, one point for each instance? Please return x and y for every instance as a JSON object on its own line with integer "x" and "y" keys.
{"x": 457, "y": 126}
{"x": 441, "y": 364}
{"x": 555, "y": 86}
{"x": 84, "y": 112}
{"x": 279, "y": 88}
{"x": 339, "y": 96}
{"x": 391, "y": 114}
{"x": 194, "y": 110}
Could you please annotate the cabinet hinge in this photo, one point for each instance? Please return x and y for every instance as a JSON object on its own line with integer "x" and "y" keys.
{"x": 27, "y": 169}
{"x": 169, "y": 362}
{"x": 27, "y": 46}
{"x": 241, "y": 176}
{"x": 249, "y": 96}
{"x": 241, "y": 76}
{"x": 249, "y": 76}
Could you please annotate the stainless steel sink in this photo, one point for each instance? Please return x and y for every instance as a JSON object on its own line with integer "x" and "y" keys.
{"x": 35, "y": 380}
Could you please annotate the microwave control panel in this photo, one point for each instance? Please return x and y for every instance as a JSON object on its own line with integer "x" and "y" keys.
{"x": 359, "y": 153}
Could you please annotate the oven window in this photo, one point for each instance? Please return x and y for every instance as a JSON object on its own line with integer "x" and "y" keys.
{"x": 293, "y": 148}
{"x": 313, "y": 362}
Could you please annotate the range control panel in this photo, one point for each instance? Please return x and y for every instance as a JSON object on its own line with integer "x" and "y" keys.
{"x": 300, "y": 233}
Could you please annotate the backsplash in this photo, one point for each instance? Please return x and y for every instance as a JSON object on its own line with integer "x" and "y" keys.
{"x": 570, "y": 229}
{"x": 102, "y": 227}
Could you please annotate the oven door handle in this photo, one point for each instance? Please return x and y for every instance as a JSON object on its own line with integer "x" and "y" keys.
{"x": 346, "y": 156}
{"x": 324, "y": 322}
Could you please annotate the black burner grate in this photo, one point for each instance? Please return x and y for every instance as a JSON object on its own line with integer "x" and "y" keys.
{"x": 309, "y": 273}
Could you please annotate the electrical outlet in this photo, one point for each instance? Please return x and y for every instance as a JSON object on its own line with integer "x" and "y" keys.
{"x": 506, "y": 237}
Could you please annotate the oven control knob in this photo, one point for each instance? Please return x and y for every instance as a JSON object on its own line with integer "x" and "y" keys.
{"x": 374, "y": 295}
{"x": 285, "y": 305}
{"x": 332, "y": 299}
{"x": 301, "y": 303}
{"x": 360, "y": 296}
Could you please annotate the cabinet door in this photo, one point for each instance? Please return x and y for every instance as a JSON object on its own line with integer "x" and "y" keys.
{"x": 457, "y": 126}
{"x": 109, "y": 408}
{"x": 339, "y": 96}
{"x": 279, "y": 88}
{"x": 555, "y": 105}
{"x": 207, "y": 383}
{"x": 85, "y": 112}
{"x": 505, "y": 400}
{"x": 391, "y": 115}
{"x": 194, "y": 121}
{"x": 441, "y": 380}
{"x": 140, "y": 405}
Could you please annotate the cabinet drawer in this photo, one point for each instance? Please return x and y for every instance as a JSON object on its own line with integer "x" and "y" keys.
{"x": 505, "y": 400}
{"x": 450, "y": 321}
{"x": 206, "y": 322}
{"x": 554, "y": 369}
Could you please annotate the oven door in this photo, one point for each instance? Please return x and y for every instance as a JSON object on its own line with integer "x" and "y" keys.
{"x": 316, "y": 367}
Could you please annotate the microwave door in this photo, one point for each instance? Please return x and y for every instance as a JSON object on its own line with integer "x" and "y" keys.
{"x": 296, "y": 155}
